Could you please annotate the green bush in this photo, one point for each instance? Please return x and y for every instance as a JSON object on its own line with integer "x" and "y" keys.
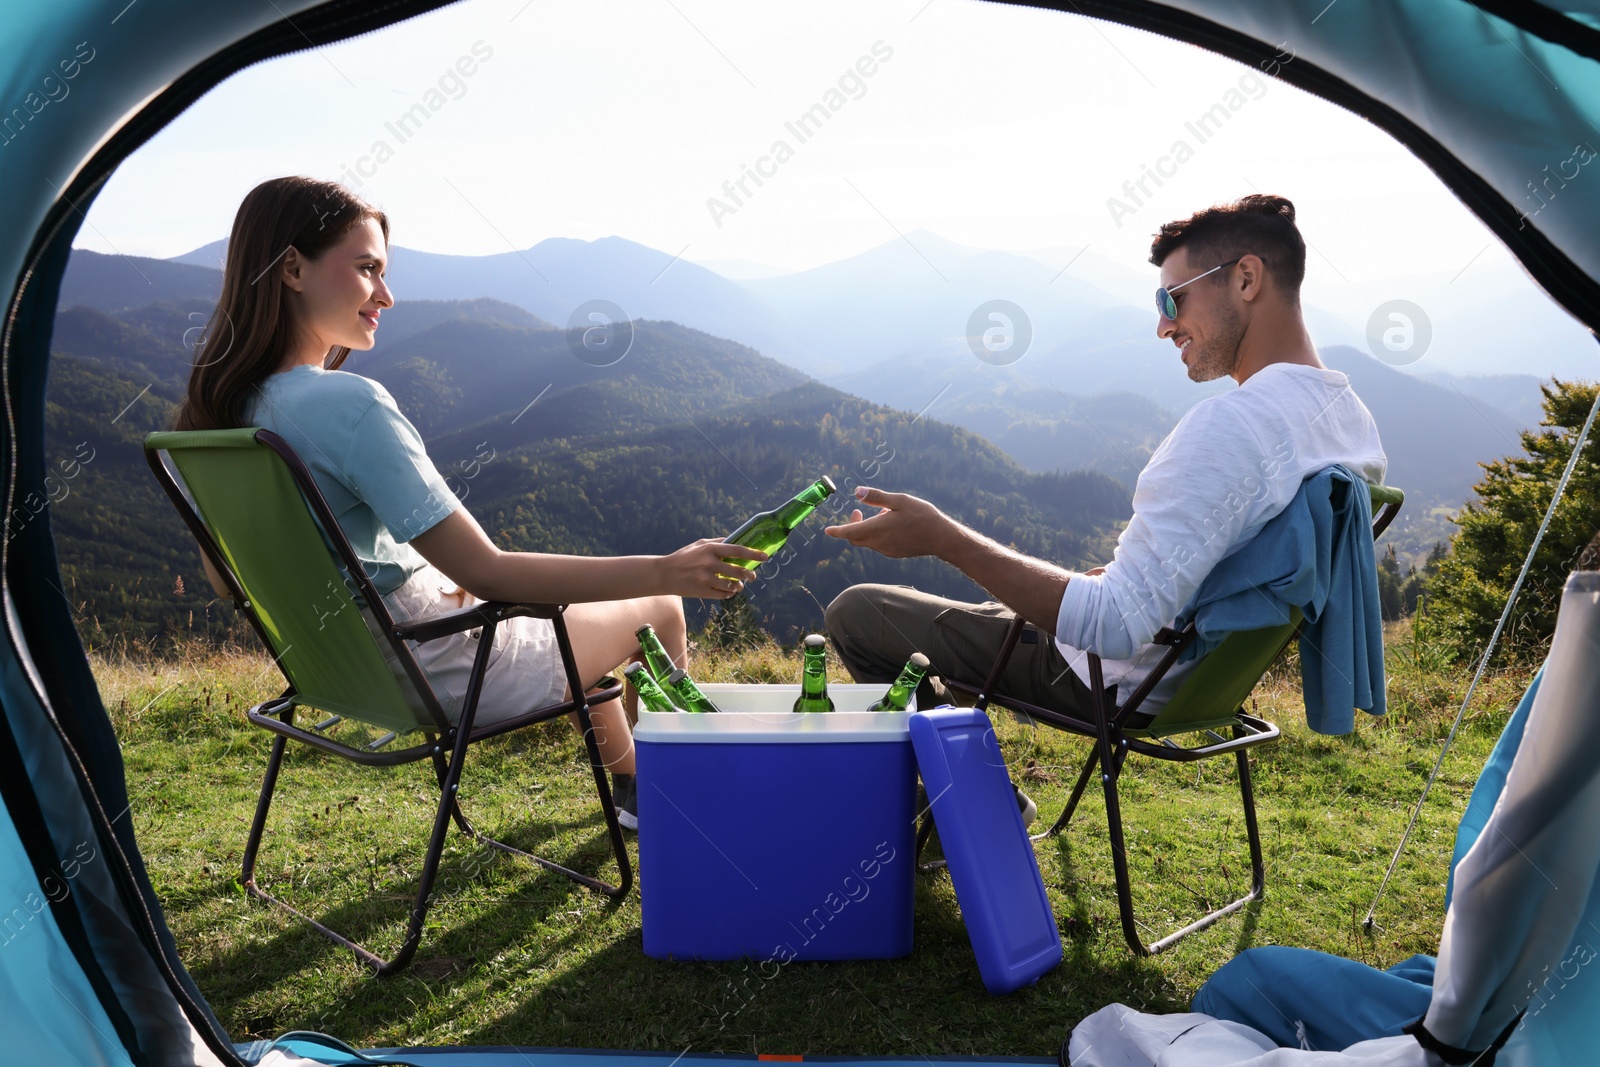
{"x": 1494, "y": 531}
{"x": 1399, "y": 593}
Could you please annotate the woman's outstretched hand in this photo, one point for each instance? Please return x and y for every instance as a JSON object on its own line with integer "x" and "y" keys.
{"x": 698, "y": 569}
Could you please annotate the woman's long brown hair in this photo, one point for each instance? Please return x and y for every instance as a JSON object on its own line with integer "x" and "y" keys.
{"x": 252, "y": 327}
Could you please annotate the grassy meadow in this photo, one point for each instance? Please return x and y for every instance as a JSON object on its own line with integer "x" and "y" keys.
{"x": 517, "y": 955}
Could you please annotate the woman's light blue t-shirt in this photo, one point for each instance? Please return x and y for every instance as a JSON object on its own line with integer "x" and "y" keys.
{"x": 366, "y": 458}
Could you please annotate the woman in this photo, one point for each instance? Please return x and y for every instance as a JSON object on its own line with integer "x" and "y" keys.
{"x": 304, "y": 283}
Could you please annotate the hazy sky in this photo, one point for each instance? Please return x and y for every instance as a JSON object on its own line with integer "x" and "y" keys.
{"x": 996, "y": 127}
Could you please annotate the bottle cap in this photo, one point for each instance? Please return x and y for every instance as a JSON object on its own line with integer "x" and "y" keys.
{"x": 632, "y": 669}
{"x": 919, "y": 660}
{"x": 815, "y": 641}
{"x": 641, "y": 631}
{"x": 677, "y": 676}
{"x": 827, "y": 481}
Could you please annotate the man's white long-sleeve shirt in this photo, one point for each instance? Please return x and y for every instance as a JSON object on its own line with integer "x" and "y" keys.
{"x": 1233, "y": 462}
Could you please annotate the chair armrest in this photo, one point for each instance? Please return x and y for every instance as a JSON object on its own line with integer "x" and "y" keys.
{"x": 1386, "y": 494}
{"x": 1013, "y": 634}
{"x": 492, "y": 611}
{"x": 1168, "y": 636}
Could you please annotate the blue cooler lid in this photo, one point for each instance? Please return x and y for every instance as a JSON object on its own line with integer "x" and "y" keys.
{"x": 991, "y": 861}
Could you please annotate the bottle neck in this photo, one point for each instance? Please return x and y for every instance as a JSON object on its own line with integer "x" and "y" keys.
{"x": 898, "y": 698}
{"x": 650, "y": 694}
{"x": 793, "y": 513}
{"x": 814, "y": 679}
{"x": 803, "y": 504}
{"x": 657, "y": 657}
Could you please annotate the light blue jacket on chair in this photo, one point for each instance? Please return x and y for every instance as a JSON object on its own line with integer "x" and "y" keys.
{"x": 1315, "y": 555}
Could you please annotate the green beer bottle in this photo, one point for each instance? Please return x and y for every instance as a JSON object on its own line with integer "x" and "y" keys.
{"x": 814, "y": 677}
{"x": 768, "y": 530}
{"x": 650, "y": 694}
{"x": 683, "y": 689}
{"x": 659, "y": 660}
{"x": 899, "y": 694}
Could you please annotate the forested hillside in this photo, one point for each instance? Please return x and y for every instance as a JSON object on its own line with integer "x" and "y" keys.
{"x": 1095, "y": 390}
{"x": 683, "y": 438}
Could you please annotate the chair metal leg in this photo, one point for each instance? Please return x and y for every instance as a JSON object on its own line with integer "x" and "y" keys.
{"x": 448, "y": 788}
{"x": 1110, "y": 771}
{"x": 1120, "y": 862}
{"x": 448, "y": 791}
{"x": 258, "y": 825}
{"x": 1247, "y": 793}
{"x": 608, "y": 805}
{"x": 1109, "y": 751}
{"x": 248, "y": 877}
{"x": 1060, "y": 824}
{"x": 466, "y": 827}
{"x": 602, "y": 783}
{"x": 447, "y": 770}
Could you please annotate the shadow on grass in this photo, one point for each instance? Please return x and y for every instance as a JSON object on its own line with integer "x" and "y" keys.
{"x": 1078, "y": 923}
{"x": 1247, "y": 931}
{"x": 929, "y": 1003}
{"x": 511, "y": 899}
{"x": 588, "y": 984}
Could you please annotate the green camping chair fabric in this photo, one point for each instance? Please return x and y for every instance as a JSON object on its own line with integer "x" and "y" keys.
{"x": 252, "y": 505}
{"x": 1211, "y": 699}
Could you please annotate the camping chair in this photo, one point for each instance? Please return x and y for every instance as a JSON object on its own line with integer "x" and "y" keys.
{"x": 265, "y": 527}
{"x": 1211, "y": 698}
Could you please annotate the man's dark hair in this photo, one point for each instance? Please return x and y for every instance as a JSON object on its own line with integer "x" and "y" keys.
{"x": 1263, "y": 225}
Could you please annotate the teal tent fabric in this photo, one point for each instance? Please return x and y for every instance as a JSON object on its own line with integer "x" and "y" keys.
{"x": 1302, "y": 998}
{"x": 1495, "y": 108}
{"x": 61, "y": 775}
{"x": 1298, "y": 996}
{"x": 1305, "y": 999}
{"x": 1495, "y": 97}
{"x": 1491, "y": 782}
{"x": 316, "y": 1048}
{"x": 51, "y": 1011}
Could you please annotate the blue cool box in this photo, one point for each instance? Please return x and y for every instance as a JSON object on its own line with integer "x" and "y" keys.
{"x": 992, "y": 865}
{"x": 771, "y": 835}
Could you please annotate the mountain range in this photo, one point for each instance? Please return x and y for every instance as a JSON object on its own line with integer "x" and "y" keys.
{"x": 683, "y": 438}
{"x": 916, "y": 293}
{"x": 733, "y": 392}
{"x": 1094, "y": 389}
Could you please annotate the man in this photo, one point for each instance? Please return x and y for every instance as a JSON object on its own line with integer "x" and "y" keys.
{"x": 1230, "y": 301}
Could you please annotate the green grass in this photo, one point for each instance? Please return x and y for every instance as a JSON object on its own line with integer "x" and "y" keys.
{"x": 516, "y": 955}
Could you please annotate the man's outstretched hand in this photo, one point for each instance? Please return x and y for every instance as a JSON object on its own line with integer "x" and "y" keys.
{"x": 904, "y": 525}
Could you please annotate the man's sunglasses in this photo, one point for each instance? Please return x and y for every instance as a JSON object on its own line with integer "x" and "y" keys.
{"x": 1168, "y": 306}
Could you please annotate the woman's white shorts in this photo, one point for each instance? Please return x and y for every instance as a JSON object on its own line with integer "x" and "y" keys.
{"x": 524, "y": 667}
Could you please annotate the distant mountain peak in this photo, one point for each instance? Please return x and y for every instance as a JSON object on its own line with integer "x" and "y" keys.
{"x": 918, "y": 242}
{"x": 212, "y": 254}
